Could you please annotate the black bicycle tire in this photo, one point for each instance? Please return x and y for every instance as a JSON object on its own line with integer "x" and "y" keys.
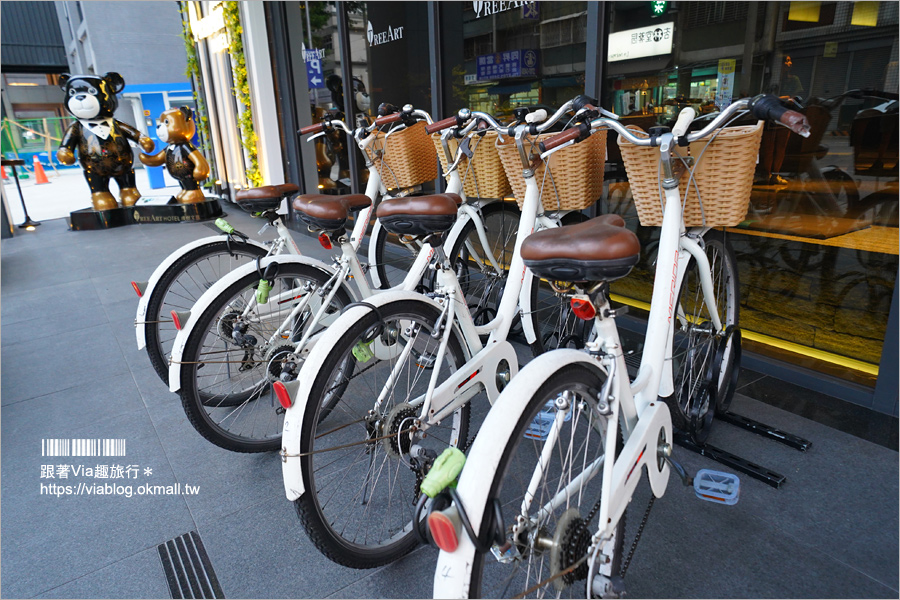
{"x": 158, "y": 295}
{"x": 564, "y": 376}
{"x": 191, "y": 400}
{"x": 308, "y": 510}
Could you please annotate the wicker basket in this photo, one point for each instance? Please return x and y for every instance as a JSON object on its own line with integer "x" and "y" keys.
{"x": 482, "y": 176}
{"x": 405, "y": 159}
{"x": 724, "y": 174}
{"x": 574, "y": 180}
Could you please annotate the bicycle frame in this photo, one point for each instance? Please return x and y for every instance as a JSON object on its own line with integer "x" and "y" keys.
{"x": 348, "y": 267}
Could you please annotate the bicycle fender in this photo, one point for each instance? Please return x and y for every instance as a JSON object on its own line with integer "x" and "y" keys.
{"x": 160, "y": 271}
{"x": 454, "y": 569}
{"x": 218, "y": 288}
{"x": 291, "y": 469}
{"x": 373, "y": 260}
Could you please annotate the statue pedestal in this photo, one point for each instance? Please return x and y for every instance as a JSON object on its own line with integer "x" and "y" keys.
{"x": 149, "y": 209}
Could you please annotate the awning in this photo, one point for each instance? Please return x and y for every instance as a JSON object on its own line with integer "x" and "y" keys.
{"x": 513, "y": 88}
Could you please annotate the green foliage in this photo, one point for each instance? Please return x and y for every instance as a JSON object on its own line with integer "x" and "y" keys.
{"x": 231, "y": 12}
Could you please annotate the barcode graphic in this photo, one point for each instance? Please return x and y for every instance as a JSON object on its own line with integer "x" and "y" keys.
{"x": 82, "y": 447}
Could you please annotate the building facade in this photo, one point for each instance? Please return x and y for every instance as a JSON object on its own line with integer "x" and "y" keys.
{"x": 818, "y": 249}
{"x": 142, "y": 41}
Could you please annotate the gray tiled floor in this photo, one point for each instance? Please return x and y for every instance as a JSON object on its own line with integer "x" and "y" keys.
{"x": 71, "y": 370}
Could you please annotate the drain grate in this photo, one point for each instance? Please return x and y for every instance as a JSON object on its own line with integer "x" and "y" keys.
{"x": 188, "y": 570}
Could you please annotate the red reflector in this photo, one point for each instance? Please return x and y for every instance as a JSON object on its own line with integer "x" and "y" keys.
{"x": 176, "y": 320}
{"x": 583, "y": 308}
{"x": 443, "y": 532}
{"x": 137, "y": 290}
{"x": 283, "y": 396}
{"x": 325, "y": 241}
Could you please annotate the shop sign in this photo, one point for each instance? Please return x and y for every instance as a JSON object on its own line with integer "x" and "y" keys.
{"x": 640, "y": 43}
{"x": 313, "y": 59}
{"x": 501, "y": 65}
{"x": 830, "y": 49}
{"x": 392, "y": 34}
{"x": 725, "y": 82}
{"x": 483, "y": 9}
{"x": 530, "y": 11}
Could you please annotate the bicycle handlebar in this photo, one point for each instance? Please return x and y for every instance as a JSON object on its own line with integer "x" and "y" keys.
{"x": 685, "y": 118}
{"x": 442, "y": 124}
{"x": 762, "y": 107}
{"x": 388, "y": 119}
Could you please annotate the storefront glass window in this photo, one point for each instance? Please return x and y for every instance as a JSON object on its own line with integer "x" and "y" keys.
{"x": 817, "y": 251}
{"x": 498, "y": 56}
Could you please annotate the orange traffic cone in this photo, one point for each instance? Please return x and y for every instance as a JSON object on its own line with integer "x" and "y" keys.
{"x": 39, "y": 175}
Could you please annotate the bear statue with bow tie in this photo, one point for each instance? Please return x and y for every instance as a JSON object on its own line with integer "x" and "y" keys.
{"x": 103, "y": 142}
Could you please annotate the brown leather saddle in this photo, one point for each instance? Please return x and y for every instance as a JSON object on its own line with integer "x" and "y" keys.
{"x": 419, "y": 215}
{"x": 328, "y": 213}
{"x": 601, "y": 249}
{"x": 267, "y": 197}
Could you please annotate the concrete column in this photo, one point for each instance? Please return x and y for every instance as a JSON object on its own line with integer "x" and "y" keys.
{"x": 262, "y": 92}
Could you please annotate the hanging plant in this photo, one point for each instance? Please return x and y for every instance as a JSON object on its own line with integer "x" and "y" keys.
{"x": 192, "y": 72}
{"x": 231, "y": 12}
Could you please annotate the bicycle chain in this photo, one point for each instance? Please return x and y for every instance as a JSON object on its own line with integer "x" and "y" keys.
{"x": 637, "y": 538}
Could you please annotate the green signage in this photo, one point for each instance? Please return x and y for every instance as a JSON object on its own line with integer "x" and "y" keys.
{"x": 658, "y": 8}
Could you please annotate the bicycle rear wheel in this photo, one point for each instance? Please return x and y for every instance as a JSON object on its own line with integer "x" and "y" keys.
{"x": 231, "y": 358}
{"x": 361, "y": 462}
{"x": 180, "y": 287}
{"x": 548, "y": 542}
{"x": 705, "y": 362}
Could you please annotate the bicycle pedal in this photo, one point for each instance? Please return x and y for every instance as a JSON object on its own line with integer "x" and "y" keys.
{"x": 716, "y": 486}
{"x": 540, "y": 426}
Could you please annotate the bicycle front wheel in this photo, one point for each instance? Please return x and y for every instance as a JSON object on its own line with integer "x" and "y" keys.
{"x": 362, "y": 460}
{"x": 238, "y": 348}
{"x": 550, "y": 533}
{"x": 706, "y": 362}
{"x": 180, "y": 287}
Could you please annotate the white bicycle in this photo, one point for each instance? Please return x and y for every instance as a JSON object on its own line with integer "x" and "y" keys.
{"x": 189, "y": 271}
{"x": 389, "y": 383}
{"x": 257, "y": 325}
{"x": 539, "y": 508}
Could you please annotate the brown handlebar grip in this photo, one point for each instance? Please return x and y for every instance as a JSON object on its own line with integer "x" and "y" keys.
{"x": 796, "y": 121}
{"x": 560, "y": 139}
{"x": 440, "y": 125}
{"x": 388, "y": 119}
{"x": 314, "y": 128}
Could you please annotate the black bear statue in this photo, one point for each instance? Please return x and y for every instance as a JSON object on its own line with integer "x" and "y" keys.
{"x": 102, "y": 141}
{"x": 184, "y": 162}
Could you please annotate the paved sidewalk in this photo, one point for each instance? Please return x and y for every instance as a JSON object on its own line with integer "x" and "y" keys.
{"x": 67, "y": 191}
{"x": 71, "y": 369}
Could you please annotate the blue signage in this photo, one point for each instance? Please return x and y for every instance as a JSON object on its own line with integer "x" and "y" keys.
{"x": 313, "y": 59}
{"x": 502, "y": 65}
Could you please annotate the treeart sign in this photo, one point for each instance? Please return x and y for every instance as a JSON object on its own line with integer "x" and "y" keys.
{"x": 392, "y": 34}
{"x": 483, "y": 9}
